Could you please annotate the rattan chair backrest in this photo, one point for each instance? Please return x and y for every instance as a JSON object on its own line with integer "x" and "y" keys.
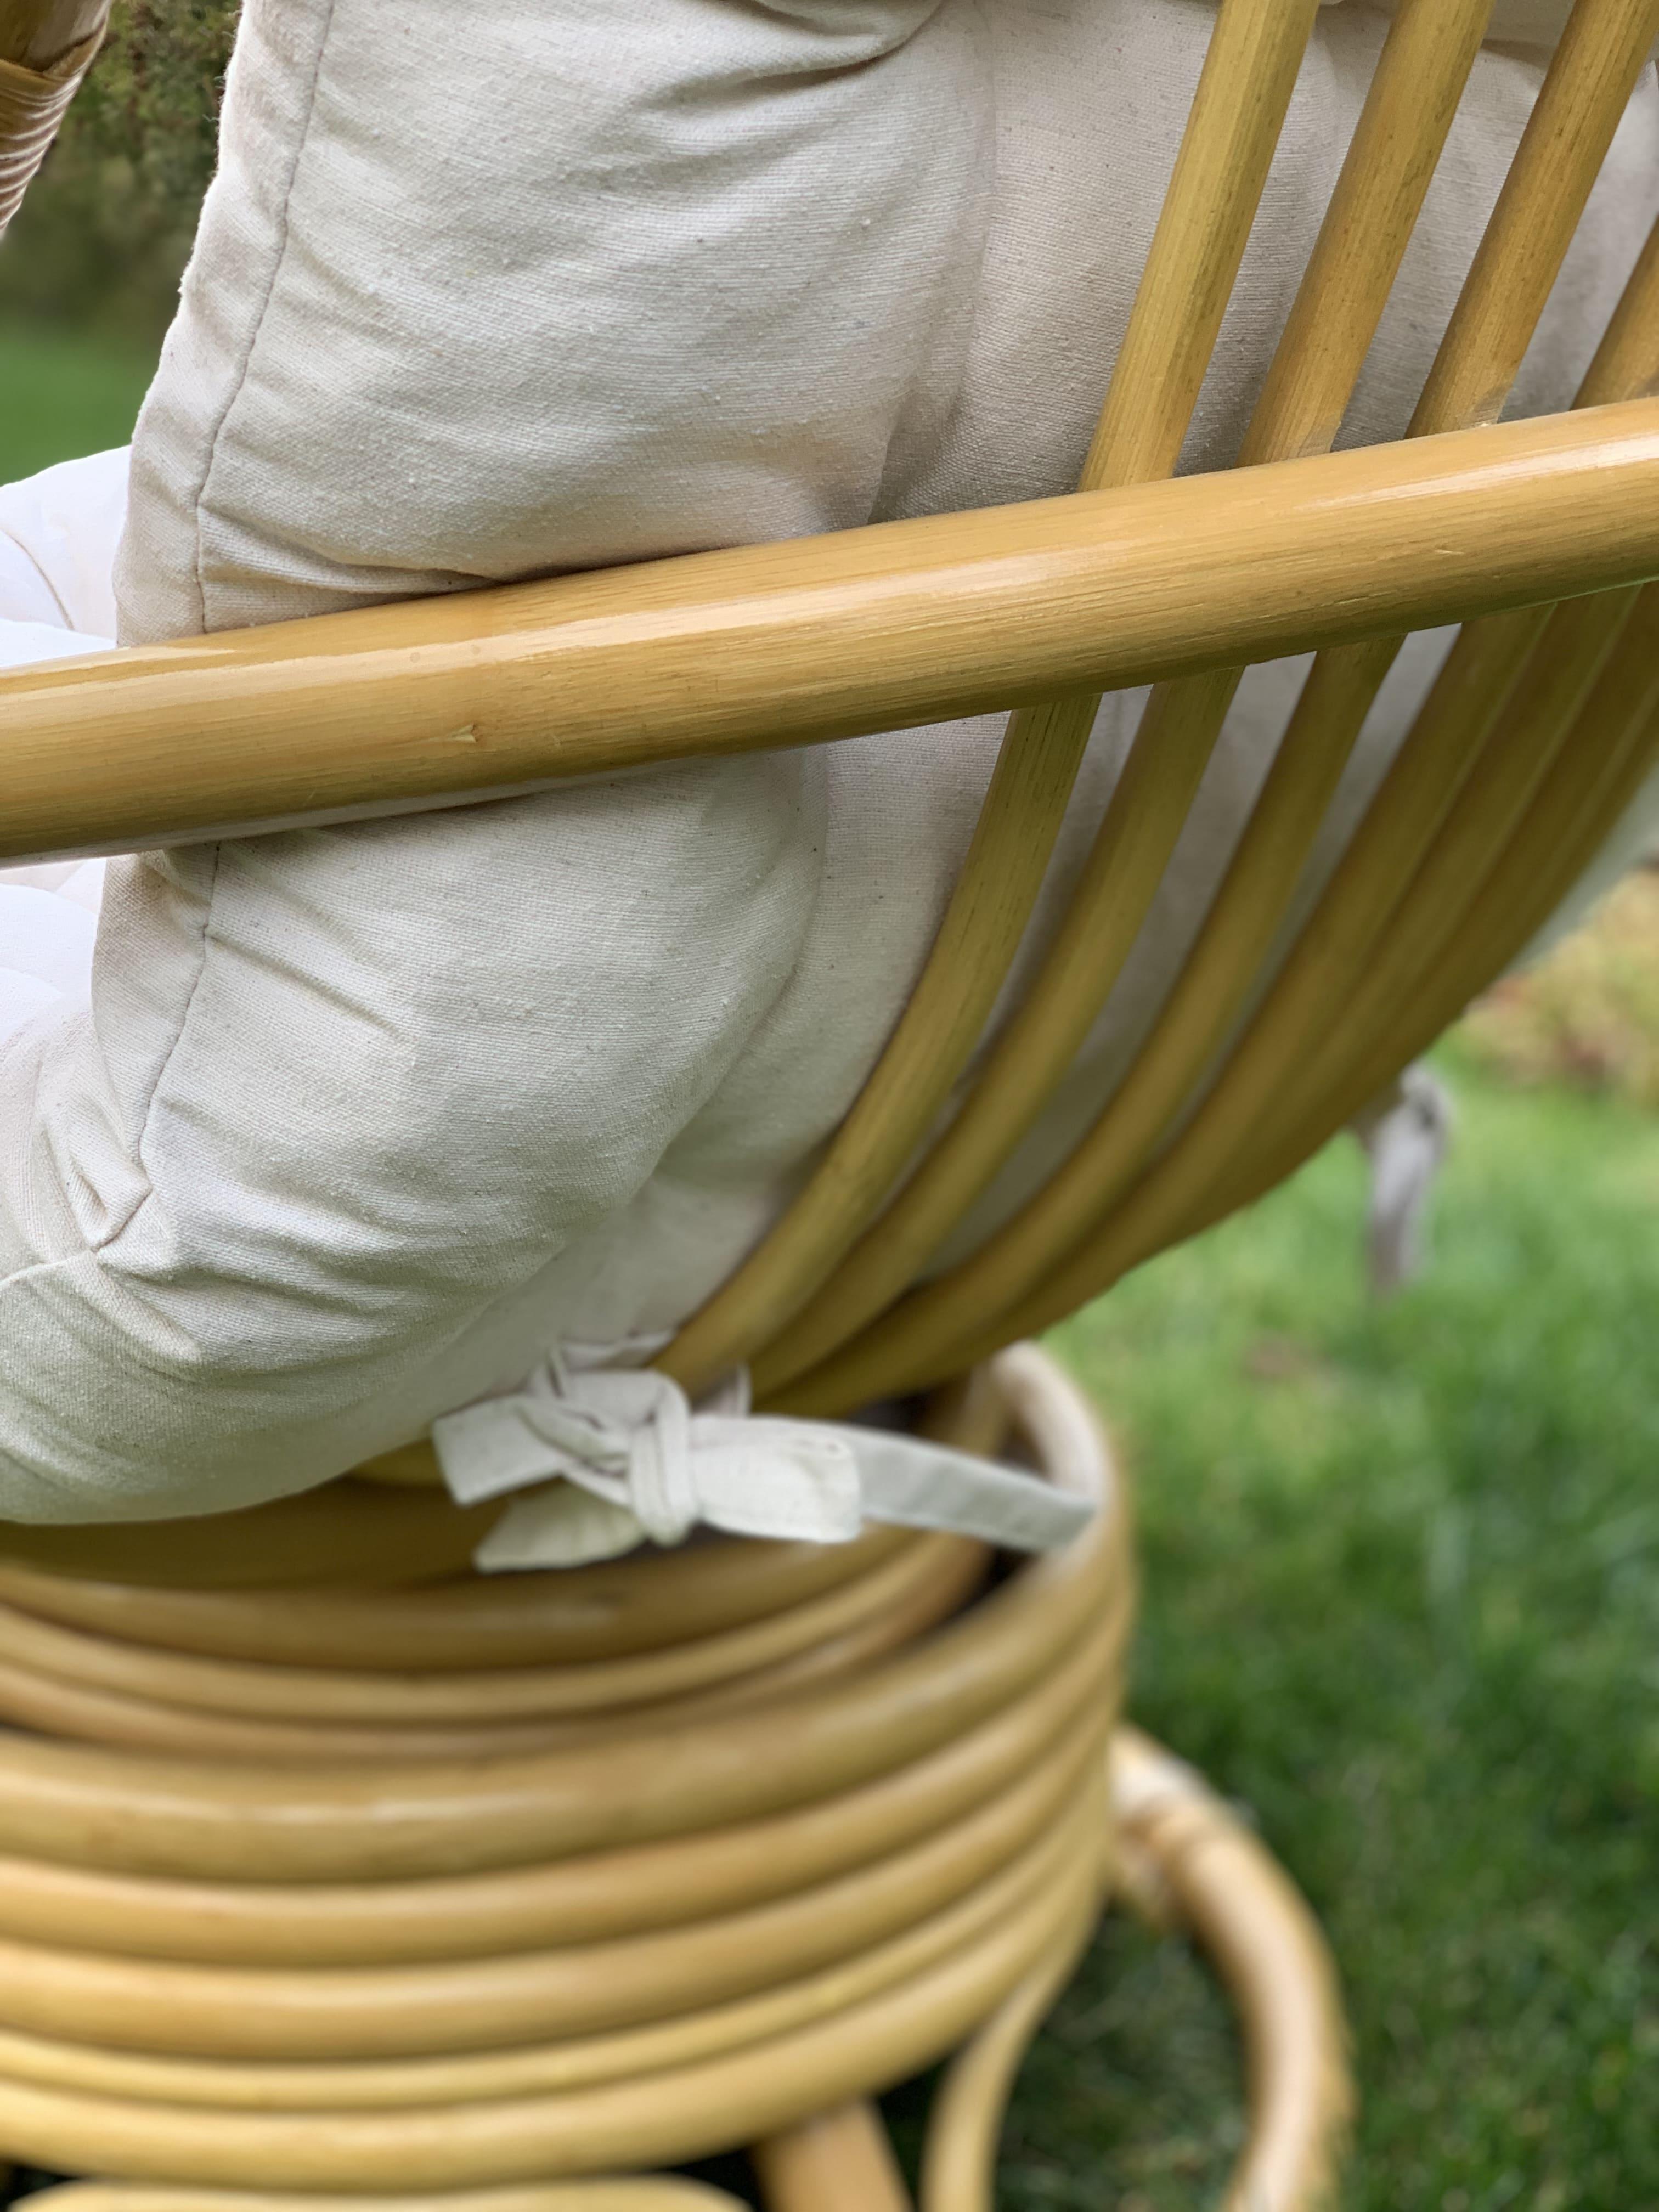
{"x": 1536, "y": 734}
{"x": 1281, "y": 1023}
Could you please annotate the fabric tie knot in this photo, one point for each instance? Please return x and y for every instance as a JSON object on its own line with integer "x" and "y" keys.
{"x": 638, "y": 1465}
{"x": 609, "y": 1458}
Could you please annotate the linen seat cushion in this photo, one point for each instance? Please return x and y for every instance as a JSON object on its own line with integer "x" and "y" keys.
{"x": 361, "y": 1119}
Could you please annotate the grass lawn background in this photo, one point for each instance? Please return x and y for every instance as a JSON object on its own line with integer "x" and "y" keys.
{"x": 1402, "y": 1573}
{"x": 1401, "y": 1585}
{"x": 59, "y": 396}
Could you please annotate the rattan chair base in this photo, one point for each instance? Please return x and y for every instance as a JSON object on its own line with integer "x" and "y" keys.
{"x": 1181, "y": 1855}
{"x": 269, "y": 1939}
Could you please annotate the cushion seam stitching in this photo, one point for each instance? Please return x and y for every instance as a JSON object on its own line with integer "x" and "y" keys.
{"x": 245, "y": 367}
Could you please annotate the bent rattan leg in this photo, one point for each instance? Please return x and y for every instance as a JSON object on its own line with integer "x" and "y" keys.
{"x": 203, "y": 2059}
{"x": 1178, "y": 1848}
{"x": 838, "y": 2162}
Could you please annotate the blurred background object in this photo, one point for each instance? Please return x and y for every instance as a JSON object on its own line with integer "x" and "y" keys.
{"x": 89, "y": 270}
{"x": 1587, "y": 1016}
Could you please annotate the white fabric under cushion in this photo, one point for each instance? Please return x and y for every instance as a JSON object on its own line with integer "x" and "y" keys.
{"x": 46, "y": 951}
{"x": 361, "y": 1120}
{"x": 58, "y": 532}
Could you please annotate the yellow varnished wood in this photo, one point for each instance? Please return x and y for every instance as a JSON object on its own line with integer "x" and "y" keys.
{"x": 1624, "y": 366}
{"x": 960, "y": 2159}
{"x": 1413, "y": 97}
{"x": 634, "y": 1889}
{"x": 1219, "y": 1880}
{"x": 839, "y": 2161}
{"x": 211, "y": 2015}
{"x": 638, "y": 1604}
{"x": 924, "y": 1331}
{"x": 940, "y": 1025}
{"x": 1187, "y": 1191}
{"x": 732, "y": 1739}
{"x": 1238, "y": 112}
{"x": 1213, "y": 1877}
{"x": 1585, "y": 92}
{"x": 1396, "y": 147}
{"x": 1603, "y": 50}
{"x": 1226, "y": 150}
{"x": 638, "y": 2001}
{"x": 949, "y": 1322}
{"x": 1126, "y": 862}
{"x": 75, "y": 1689}
{"x": 620, "y": 2193}
{"x": 415, "y": 2040}
{"x": 355, "y": 1533}
{"x": 1592, "y": 779}
{"x": 1234, "y": 121}
{"x": 1605, "y": 755}
{"x": 364, "y": 1697}
{"x": 1475, "y": 905}
{"x": 1540, "y": 713}
{"x": 318, "y": 1823}
{"x": 923, "y": 2005}
{"x": 1614, "y": 748}
{"x": 1268, "y": 1948}
{"x": 879, "y": 629}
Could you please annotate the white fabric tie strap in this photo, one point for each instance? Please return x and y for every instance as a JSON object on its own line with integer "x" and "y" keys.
{"x": 612, "y": 1458}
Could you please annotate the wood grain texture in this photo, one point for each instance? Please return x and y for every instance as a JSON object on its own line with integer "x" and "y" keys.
{"x": 1249, "y": 74}
{"x": 1613, "y": 749}
{"x": 1017, "y": 1273}
{"x": 879, "y": 629}
{"x": 631, "y": 1994}
{"x": 1408, "y": 112}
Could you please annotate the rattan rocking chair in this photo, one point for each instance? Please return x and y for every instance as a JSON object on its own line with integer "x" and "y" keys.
{"x": 333, "y": 1873}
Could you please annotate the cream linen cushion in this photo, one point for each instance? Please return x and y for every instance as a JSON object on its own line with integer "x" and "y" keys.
{"x": 362, "y": 1120}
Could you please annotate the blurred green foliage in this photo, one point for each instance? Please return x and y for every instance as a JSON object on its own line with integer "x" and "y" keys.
{"x": 104, "y": 233}
{"x": 63, "y": 396}
{"x": 1587, "y": 1016}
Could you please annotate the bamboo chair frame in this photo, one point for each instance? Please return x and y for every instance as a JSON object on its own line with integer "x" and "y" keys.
{"x": 295, "y": 1774}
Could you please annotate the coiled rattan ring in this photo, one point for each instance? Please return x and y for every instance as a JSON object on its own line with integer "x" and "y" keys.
{"x": 520, "y": 1885}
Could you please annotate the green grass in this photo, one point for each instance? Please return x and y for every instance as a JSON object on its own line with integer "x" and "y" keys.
{"x": 1402, "y": 1584}
{"x": 59, "y": 397}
